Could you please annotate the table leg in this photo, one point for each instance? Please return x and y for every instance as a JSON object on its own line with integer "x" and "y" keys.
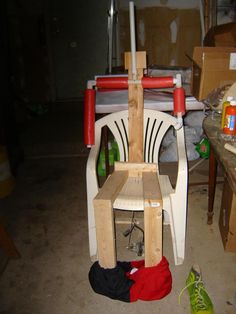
{"x": 211, "y": 186}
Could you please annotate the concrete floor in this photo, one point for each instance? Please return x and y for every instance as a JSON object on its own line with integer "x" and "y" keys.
{"x": 46, "y": 215}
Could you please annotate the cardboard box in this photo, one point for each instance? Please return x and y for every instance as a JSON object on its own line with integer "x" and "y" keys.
{"x": 227, "y": 221}
{"x": 166, "y": 34}
{"x": 212, "y": 67}
{"x": 221, "y": 35}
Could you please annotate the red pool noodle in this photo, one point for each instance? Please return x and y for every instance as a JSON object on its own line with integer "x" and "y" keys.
{"x": 122, "y": 82}
{"x": 89, "y": 117}
{"x": 112, "y": 82}
{"x": 157, "y": 82}
{"x": 179, "y": 101}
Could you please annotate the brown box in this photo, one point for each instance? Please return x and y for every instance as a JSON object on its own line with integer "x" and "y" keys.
{"x": 165, "y": 33}
{"x": 212, "y": 67}
{"x": 227, "y": 221}
{"x": 221, "y": 35}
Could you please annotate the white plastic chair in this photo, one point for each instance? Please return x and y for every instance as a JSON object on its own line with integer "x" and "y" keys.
{"x": 156, "y": 125}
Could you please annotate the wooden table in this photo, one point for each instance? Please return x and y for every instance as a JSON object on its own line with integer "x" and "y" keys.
{"x": 227, "y": 160}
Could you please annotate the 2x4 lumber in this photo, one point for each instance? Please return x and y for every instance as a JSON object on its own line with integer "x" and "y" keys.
{"x": 153, "y": 205}
{"x": 104, "y": 218}
{"x": 135, "y": 107}
{"x": 141, "y": 60}
{"x": 135, "y": 168}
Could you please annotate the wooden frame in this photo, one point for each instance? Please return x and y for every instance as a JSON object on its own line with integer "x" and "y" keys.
{"x": 152, "y": 202}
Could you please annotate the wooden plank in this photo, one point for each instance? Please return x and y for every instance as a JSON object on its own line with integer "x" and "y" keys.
{"x": 111, "y": 187}
{"x": 135, "y": 103}
{"x": 141, "y": 60}
{"x": 104, "y": 218}
{"x": 135, "y": 106}
{"x": 135, "y": 167}
{"x": 153, "y": 205}
{"x": 105, "y": 232}
{"x": 131, "y": 195}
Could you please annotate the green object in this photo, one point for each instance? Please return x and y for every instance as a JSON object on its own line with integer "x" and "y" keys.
{"x": 199, "y": 299}
{"x": 203, "y": 148}
{"x": 102, "y": 159}
{"x": 116, "y": 152}
{"x": 111, "y": 155}
{"x": 101, "y": 163}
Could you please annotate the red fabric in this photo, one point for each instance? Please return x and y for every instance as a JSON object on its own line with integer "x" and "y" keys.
{"x": 150, "y": 283}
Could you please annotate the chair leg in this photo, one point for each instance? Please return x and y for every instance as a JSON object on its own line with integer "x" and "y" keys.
{"x": 91, "y": 229}
{"x": 153, "y": 220}
{"x": 92, "y": 243}
{"x": 178, "y": 230}
{"x": 180, "y": 249}
{"x": 104, "y": 218}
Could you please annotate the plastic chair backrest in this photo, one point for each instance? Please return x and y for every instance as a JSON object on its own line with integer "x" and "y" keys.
{"x": 156, "y": 124}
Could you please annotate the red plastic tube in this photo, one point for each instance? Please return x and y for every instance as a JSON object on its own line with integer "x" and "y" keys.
{"x": 157, "y": 82}
{"x": 112, "y": 82}
{"x": 122, "y": 82}
{"x": 89, "y": 117}
{"x": 179, "y": 101}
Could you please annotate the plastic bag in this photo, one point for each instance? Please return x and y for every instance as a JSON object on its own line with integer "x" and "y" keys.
{"x": 168, "y": 138}
{"x": 194, "y": 118}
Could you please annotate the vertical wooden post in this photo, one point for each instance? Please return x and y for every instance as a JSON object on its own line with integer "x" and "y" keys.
{"x": 153, "y": 205}
{"x": 104, "y": 217}
{"x": 135, "y": 104}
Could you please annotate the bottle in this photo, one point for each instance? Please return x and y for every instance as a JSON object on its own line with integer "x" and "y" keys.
{"x": 224, "y": 106}
{"x": 230, "y": 119}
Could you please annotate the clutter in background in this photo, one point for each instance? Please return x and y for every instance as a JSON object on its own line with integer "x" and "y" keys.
{"x": 193, "y": 136}
{"x": 222, "y": 100}
{"x": 229, "y": 122}
{"x": 203, "y": 148}
{"x": 215, "y": 98}
{"x": 225, "y": 104}
{"x": 206, "y": 72}
{"x": 161, "y": 70}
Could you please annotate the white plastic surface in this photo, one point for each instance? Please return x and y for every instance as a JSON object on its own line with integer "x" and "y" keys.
{"x": 156, "y": 124}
